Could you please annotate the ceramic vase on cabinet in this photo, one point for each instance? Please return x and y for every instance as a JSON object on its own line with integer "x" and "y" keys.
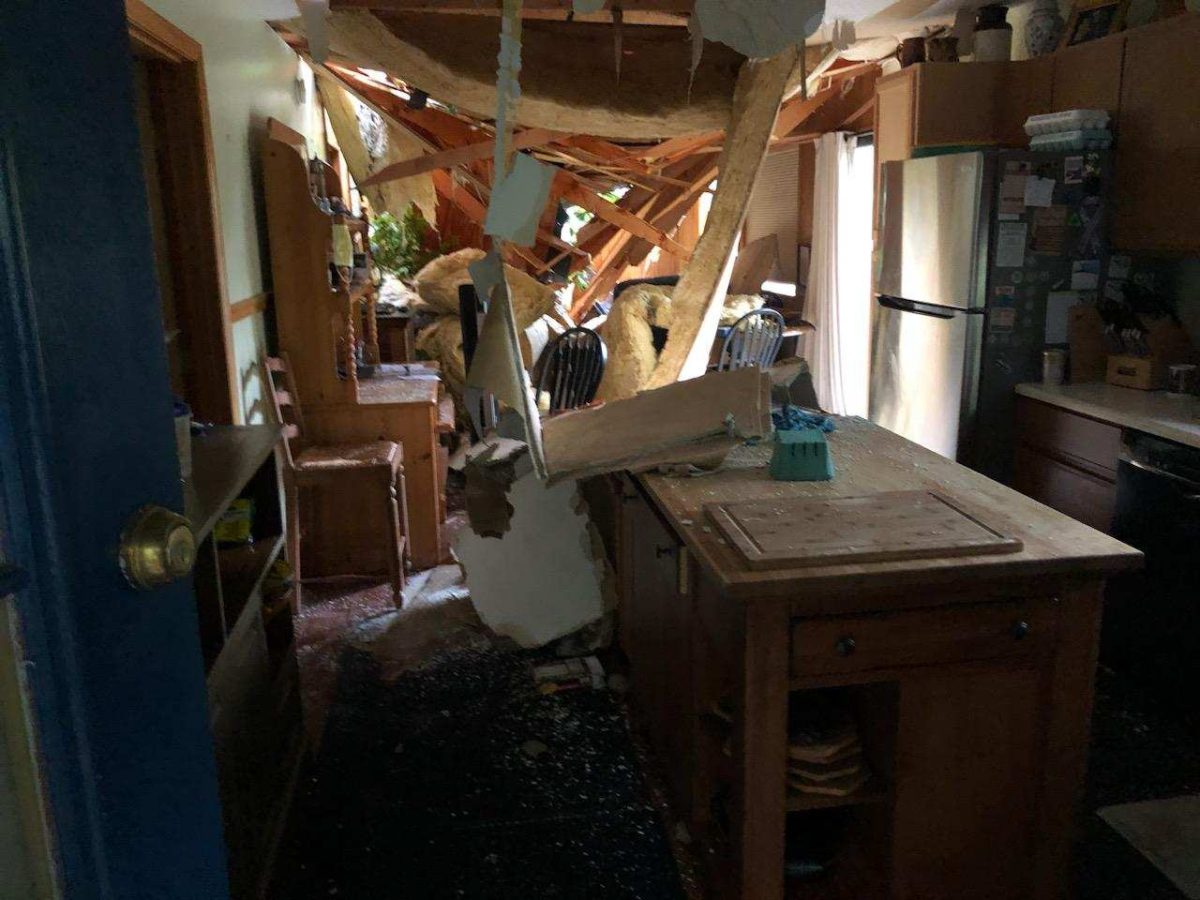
{"x": 1044, "y": 28}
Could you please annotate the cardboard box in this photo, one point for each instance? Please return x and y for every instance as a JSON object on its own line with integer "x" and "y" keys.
{"x": 1144, "y": 373}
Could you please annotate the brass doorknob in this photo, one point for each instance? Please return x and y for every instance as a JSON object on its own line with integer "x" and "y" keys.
{"x": 157, "y": 547}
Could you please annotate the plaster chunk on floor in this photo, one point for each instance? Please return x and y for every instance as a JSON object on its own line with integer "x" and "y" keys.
{"x": 546, "y": 576}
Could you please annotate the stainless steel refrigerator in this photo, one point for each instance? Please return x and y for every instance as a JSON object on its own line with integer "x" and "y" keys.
{"x": 972, "y": 248}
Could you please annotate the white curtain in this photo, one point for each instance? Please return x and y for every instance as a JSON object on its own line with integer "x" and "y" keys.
{"x": 839, "y": 285}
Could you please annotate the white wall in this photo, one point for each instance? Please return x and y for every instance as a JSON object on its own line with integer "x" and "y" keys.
{"x": 251, "y": 76}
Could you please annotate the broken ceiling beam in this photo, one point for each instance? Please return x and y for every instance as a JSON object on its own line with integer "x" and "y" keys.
{"x": 680, "y": 146}
{"x": 457, "y": 156}
{"x": 698, "y": 298}
{"x": 567, "y": 82}
{"x": 567, "y": 186}
{"x": 680, "y": 423}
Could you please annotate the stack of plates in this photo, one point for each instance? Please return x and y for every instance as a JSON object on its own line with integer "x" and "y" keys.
{"x": 825, "y": 757}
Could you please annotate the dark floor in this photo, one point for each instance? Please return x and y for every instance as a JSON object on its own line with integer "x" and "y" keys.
{"x": 460, "y": 779}
{"x": 1140, "y": 751}
{"x": 442, "y": 772}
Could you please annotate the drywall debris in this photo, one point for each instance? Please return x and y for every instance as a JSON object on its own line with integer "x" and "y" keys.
{"x": 759, "y": 28}
{"x": 543, "y": 578}
{"x": 491, "y": 467}
{"x": 315, "y": 14}
{"x": 518, "y": 199}
{"x": 689, "y": 421}
{"x": 497, "y": 366}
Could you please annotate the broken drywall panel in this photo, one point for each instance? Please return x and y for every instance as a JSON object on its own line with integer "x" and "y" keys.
{"x": 518, "y": 200}
{"x": 496, "y": 366}
{"x": 491, "y": 467}
{"x": 315, "y": 14}
{"x": 678, "y": 423}
{"x": 545, "y": 577}
{"x": 759, "y": 28}
{"x": 699, "y": 296}
{"x": 454, "y": 61}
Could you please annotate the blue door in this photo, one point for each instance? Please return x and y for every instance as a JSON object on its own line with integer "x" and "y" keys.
{"x": 86, "y": 439}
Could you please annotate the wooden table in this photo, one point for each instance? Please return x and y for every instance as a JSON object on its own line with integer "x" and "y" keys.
{"x": 970, "y": 679}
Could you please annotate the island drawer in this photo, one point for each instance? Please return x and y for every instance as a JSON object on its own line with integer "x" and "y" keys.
{"x": 960, "y": 633}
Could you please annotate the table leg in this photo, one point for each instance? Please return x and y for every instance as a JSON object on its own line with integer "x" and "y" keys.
{"x": 760, "y": 753}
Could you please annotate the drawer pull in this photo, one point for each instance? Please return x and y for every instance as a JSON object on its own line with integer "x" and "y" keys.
{"x": 660, "y": 552}
{"x": 1020, "y": 629}
{"x": 845, "y": 646}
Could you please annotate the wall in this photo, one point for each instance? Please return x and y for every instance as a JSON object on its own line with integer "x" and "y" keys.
{"x": 251, "y": 76}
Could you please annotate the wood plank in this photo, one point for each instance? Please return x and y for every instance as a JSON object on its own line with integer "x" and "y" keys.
{"x": 567, "y": 186}
{"x": 698, "y": 298}
{"x": 870, "y": 528}
{"x": 457, "y": 156}
{"x": 251, "y": 306}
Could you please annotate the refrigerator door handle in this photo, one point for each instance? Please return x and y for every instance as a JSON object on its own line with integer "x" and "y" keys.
{"x": 922, "y": 309}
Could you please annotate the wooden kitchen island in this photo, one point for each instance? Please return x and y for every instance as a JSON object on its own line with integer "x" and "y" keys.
{"x": 969, "y": 680}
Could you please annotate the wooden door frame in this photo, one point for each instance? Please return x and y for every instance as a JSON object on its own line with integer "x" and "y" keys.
{"x": 189, "y": 187}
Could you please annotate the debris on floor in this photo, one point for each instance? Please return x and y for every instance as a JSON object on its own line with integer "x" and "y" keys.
{"x": 461, "y": 779}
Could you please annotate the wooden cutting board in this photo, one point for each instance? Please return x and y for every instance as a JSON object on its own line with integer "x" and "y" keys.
{"x": 895, "y": 525}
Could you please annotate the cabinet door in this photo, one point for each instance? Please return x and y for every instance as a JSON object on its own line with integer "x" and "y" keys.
{"x": 894, "y": 117}
{"x": 1158, "y": 147}
{"x": 1088, "y": 76}
{"x": 657, "y": 640}
{"x": 968, "y": 776}
{"x": 956, "y": 103}
{"x": 1073, "y": 492}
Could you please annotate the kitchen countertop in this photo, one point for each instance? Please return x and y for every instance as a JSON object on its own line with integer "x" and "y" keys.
{"x": 1152, "y": 412}
{"x": 869, "y": 460}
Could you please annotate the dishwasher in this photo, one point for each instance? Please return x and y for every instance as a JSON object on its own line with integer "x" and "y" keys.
{"x": 1152, "y": 618}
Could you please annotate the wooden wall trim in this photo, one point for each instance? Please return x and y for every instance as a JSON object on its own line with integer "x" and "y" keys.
{"x": 153, "y": 34}
{"x": 183, "y": 138}
{"x": 248, "y": 307}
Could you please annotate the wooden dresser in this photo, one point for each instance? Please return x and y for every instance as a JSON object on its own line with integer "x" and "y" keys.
{"x": 969, "y": 679}
{"x": 318, "y": 327}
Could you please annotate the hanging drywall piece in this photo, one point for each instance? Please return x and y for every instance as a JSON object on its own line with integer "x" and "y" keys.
{"x": 315, "y": 14}
{"x": 497, "y": 366}
{"x": 518, "y": 200}
{"x": 618, "y": 18}
{"x": 696, "y": 33}
{"x": 759, "y": 28}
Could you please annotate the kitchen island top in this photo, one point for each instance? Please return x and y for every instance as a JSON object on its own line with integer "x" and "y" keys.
{"x": 871, "y": 460}
{"x": 1152, "y": 412}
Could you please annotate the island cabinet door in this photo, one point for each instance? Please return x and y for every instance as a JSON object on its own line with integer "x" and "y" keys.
{"x": 969, "y": 755}
{"x": 656, "y": 637}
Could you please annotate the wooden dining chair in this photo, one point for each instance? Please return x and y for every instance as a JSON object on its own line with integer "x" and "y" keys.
{"x": 572, "y": 369}
{"x": 308, "y": 466}
{"x": 753, "y": 340}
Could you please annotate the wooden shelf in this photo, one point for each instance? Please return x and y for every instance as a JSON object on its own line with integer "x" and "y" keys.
{"x": 243, "y": 568}
{"x": 874, "y": 791}
{"x": 224, "y": 459}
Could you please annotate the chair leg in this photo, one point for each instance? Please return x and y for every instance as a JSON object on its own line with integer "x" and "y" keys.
{"x": 293, "y": 540}
{"x": 395, "y": 560}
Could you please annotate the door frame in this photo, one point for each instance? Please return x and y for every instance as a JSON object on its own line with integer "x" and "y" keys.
{"x": 183, "y": 139}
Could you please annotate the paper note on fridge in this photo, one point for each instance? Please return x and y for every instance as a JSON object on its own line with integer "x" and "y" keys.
{"x": 1039, "y": 191}
{"x": 1010, "y": 245}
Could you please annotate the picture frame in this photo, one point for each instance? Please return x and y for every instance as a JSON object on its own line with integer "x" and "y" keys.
{"x": 1092, "y": 19}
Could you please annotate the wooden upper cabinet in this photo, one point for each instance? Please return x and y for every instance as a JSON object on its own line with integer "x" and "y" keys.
{"x": 1158, "y": 140}
{"x": 946, "y": 104}
{"x": 894, "y": 96}
{"x": 1088, "y": 76}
